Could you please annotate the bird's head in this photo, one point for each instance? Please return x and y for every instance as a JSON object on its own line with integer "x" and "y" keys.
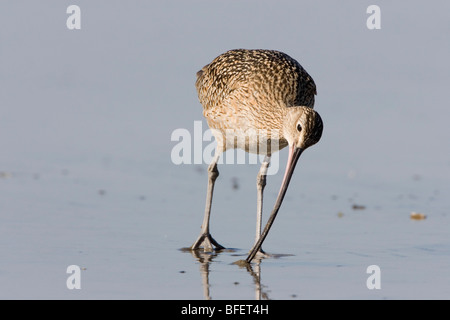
{"x": 302, "y": 127}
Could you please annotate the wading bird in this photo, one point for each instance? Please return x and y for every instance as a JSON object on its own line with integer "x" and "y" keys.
{"x": 260, "y": 101}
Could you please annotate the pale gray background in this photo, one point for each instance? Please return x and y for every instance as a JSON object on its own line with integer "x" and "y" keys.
{"x": 86, "y": 176}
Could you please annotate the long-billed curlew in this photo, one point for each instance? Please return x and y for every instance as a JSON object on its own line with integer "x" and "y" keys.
{"x": 260, "y": 101}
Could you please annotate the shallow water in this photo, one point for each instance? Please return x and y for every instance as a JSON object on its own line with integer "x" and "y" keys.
{"x": 87, "y": 179}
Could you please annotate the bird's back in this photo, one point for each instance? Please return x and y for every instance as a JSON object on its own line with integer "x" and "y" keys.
{"x": 267, "y": 76}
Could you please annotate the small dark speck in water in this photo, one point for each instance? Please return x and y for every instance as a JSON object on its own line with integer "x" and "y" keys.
{"x": 293, "y": 295}
{"x": 235, "y": 283}
{"x": 358, "y": 207}
{"x": 4, "y": 175}
{"x": 235, "y": 183}
{"x": 182, "y": 271}
{"x": 142, "y": 198}
{"x": 101, "y": 192}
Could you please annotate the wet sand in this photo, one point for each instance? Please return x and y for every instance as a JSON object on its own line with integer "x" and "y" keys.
{"x": 129, "y": 248}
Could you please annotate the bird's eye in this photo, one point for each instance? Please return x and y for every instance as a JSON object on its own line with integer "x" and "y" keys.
{"x": 299, "y": 127}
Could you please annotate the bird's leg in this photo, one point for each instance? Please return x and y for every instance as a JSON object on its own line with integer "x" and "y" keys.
{"x": 260, "y": 184}
{"x": 205, "y": 237}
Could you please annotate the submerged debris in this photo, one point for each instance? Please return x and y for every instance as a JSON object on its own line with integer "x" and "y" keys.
{"x": 5, "y": 174}
{"x": 358, "y": 207}
{"x": 417, "y": 216}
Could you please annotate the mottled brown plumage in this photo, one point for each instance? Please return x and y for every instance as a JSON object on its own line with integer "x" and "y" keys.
{"x": 263, "y": 96}
{"x": 268, "y": 74}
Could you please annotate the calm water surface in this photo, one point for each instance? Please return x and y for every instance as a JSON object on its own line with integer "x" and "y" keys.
{"x": 87, "y": 179}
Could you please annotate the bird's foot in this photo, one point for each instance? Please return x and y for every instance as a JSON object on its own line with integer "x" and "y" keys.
{"x": 206, "y": 241}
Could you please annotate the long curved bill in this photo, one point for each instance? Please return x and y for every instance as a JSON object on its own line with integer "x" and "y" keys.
{"x": 294, "y": 155}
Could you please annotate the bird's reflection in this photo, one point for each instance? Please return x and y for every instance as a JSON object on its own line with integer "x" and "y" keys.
{"x": 255, "y": 272}
{"x": 254, "y": 269}
{"x": 205, "y": 258}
